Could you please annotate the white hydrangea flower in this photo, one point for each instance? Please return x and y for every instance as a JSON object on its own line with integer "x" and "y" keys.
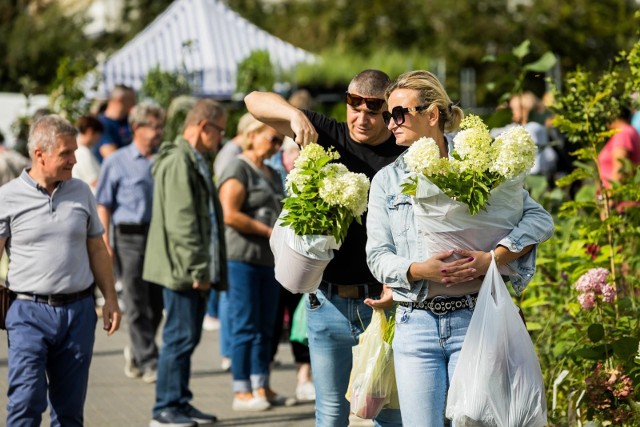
{"x": 513, "y": 152}
{"x": 424, "y": 157}
{"x": 298, "y": 178}
{"x": 473, "y": 145}
{"x": 346, "y": 189}
{"x": 334, "y": 169}
{"x": 312, "y": 153}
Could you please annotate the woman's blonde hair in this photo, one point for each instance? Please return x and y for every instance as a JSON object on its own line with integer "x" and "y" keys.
{"x": 430, "y": 91}
{"x": 250, "y": 126}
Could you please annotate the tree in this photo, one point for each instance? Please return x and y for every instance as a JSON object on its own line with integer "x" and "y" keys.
{"x": 34, "y": 37}
{"x": 458, "y": 34}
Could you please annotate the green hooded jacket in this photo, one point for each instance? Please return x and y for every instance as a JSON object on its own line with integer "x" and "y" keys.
{"x": 177, "y": 252}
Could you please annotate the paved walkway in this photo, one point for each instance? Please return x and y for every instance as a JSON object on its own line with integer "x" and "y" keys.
{"x": 116, "y": 401}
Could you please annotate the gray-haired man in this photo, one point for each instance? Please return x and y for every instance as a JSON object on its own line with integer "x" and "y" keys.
{"x": 124, "y": 195}
{"x": 50, "y": 227}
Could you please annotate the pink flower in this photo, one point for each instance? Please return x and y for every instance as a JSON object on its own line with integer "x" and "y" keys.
{"x": 608, "y": 293}
{"x": 623, "y": 388}
{"x": 587, "y": 300}
{"x": 593, "y": 280}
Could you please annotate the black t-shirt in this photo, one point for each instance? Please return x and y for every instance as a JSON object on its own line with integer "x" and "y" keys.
{"x": 349, "y": 266}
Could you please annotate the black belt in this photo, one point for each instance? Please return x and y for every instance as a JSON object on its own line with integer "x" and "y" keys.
{"x": 441, "y": 305}
{"x": 133, "y": 228}
{"x": 55, "y": 300}
{"x": 361, "y": 290}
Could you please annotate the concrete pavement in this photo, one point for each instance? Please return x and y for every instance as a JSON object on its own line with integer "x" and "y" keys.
{"x": 116, "y": 401}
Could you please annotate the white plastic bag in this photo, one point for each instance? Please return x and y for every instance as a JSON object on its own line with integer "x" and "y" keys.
{"x": 497, "y": 381}
{"x": 443, "y": 223}
{"x": 300, "y": 260}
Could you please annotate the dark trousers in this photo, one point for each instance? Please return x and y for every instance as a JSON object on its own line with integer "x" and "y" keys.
{"x": 143, "y": 300}
{"x": 288, "y": 302}
{"x": 180, "y": 336}
{"x": 50, "y": 350}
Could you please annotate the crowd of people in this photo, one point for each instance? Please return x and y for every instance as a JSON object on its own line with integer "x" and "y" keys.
{"x": 186, "y": 224}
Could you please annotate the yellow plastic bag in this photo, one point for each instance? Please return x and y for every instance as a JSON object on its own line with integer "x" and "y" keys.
{"x": 372, "y": 384}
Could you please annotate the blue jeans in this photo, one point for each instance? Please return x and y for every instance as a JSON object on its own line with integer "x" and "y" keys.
{"x": 213, "y": 304}
{"x": 180, "y": 336}
{"x": 425, "y": 350}
{"x": 225, "y": 326}
{"x": 334, "y": 327}
{"x": 218, "y": 307}
{"x": 253, "y": 303}
{"x": 54, "y": 343}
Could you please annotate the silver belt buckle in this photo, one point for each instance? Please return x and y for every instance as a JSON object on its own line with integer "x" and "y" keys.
{"x": 438, "y": 305}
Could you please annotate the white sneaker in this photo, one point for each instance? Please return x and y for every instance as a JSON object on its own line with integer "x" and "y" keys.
{"x": 210, "y": 323}
{"x": 225, "y": 364}
{"x": 130, "y": 368}
{"x": 150, "y": 376}
{"x": 250, "y": 405}
{"x": 306, "y": 392}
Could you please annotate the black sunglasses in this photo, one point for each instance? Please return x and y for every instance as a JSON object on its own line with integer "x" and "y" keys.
{"x": 397, "y": 114}
{"x": 373, "y": 104}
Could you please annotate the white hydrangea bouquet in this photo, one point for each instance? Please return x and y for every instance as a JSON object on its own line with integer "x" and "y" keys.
{"x": 477, "y": 165}
{"x": 473, "y": 199}
{"x": 323, "y": 198}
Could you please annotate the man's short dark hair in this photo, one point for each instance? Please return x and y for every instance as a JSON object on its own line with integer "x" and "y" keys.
{"x": 370, "y": 83}
{"x": 84, "y": 123}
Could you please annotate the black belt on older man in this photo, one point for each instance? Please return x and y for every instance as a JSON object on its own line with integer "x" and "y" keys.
{"x": 442, "y": 305}
{"x": 133, "y": 228}
{"x": 54, "y": 300}
{"x": 357, "y": 291}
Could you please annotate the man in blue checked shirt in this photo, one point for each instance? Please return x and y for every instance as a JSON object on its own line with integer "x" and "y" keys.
{"x": 124, "y": 195}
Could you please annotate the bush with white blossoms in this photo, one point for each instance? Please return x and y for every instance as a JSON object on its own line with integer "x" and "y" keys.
{"x": 478, "y": 164}
{"x": 323, "y": 197}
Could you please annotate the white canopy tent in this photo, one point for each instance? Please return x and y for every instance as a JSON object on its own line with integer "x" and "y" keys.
{"x": 203, "y": 38}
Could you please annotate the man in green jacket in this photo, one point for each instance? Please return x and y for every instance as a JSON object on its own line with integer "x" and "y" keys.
{"x": 186, "y": 255}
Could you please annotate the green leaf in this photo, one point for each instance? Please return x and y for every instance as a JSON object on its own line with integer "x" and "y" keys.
{"x": 626, "y": 347}
{"x": 522, "y": 50}
{"x": 543, "y": 64}
{"x": 597, "y": 352}
{"x": 534, "y": 326}
{"x": 595, "y": 332}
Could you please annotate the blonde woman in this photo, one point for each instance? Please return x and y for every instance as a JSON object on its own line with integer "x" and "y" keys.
{"x": 436, "y": 296}
{"x": 251, "y": 195}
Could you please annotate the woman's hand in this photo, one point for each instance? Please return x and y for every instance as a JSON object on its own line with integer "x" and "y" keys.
{"x": 384, "y": 302}
{"x": 435, "y": 269}
{"x": 478, "y": 260}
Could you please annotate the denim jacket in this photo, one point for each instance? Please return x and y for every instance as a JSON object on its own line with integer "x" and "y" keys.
{"x": 392, "y": 238}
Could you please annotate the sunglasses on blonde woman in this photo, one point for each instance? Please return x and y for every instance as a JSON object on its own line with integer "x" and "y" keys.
{"x": 397, "y": 114}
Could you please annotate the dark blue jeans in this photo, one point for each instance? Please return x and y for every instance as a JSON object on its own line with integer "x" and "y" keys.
{"x": 180, "y": 336}
{"x": 253, "y": 303}
{"x": 54, "y": 343}
{"x": 225, "y": 327}
{"x": 213, "y": 303}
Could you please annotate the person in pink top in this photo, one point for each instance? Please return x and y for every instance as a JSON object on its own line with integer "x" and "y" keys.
{"x": 625, "y": 144}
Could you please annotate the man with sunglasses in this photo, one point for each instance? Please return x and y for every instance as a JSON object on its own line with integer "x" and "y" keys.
{"x": 337, "y": 311}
